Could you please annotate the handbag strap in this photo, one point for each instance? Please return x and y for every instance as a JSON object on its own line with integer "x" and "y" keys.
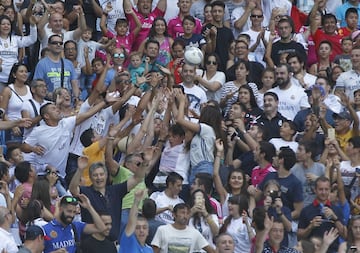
{"x": 62, "y": 73}
{"x": 35, "y": 110}
{"x": 16, "y": 94}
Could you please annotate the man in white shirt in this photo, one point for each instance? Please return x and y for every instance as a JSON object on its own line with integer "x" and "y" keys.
{"x": 292, "y": 98}
{"x": 196, "y": 95}
{"x": 8, "y": 243}
{"x": 179, "y": 235}
{"x": 300, "y": 77}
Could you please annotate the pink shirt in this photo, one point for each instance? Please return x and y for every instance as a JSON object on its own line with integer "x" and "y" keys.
{"x": 123, "y": 41}
{"x": 146, "y": 23}
{"x": 258, "y": 174}
{"x": 175, "y": 28}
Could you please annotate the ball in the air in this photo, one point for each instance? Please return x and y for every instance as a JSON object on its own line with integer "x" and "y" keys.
{"x": 193, "y": 56}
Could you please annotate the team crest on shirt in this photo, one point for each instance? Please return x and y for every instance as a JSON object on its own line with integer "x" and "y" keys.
{"x": 292, "y": 97}
{"x": 280, "y": 123}
{"x": 53, "y": 234}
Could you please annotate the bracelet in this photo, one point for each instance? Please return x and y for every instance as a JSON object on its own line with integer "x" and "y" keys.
{"x": 110, "y": 138}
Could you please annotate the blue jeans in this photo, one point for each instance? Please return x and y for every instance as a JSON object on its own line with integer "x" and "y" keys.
{"x": 204, "y": 166}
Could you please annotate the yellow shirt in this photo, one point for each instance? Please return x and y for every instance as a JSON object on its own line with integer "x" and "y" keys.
{"x": 95, "y": 154}
{"x": 344, "y": 138}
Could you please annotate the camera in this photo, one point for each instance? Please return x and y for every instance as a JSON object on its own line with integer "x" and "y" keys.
{"x": 274, "y": 195}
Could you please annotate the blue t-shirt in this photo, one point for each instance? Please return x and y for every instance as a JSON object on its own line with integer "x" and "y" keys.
{"x": 62, "y": 237}
{"x": 131, "y": 244}
{"x": 50, "y": 72}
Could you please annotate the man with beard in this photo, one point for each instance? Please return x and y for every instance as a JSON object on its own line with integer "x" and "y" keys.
{"x": 271, "y": 119}
{"x": 179, "y": 236}
{"x": 300, "y": 77}
{"x": 292, "y": 98}
{"x": 97, "y": 242}
{"x": 62, "y": 229}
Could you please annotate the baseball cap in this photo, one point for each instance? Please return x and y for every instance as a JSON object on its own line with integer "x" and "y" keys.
{"x": 33, "y": 231}
{"x": 342, "y": 115}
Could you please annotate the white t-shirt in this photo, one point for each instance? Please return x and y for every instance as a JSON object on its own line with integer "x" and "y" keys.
{"x": 349, "y": 81}
{"x": 162, "y": 200}
{"x": 116, "y": 12}
{"x": 238, "y": 230}
{"x": 214, "y": 95}
{"x": 278, "y": 143}
{"x": 169, "y": 239}
{"x": 309, "y": 80}
{"x": 7, "y": 242}
{"x": 99, "y": 122}
{"x": 347, "y": 174}
{"x": 92, "y": 46}
{"x": 175, "y": 159}
{"x": 56, "y": 143}
{"x": 205, "y": 228}
{"x": 196, "y": 97}
{"x": 260, "y": 49}
{"x": 202, "y": 145}
{"x": 291, "y": 100}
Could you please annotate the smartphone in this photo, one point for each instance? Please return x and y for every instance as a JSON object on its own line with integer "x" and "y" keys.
{"x": 331, "y": 133}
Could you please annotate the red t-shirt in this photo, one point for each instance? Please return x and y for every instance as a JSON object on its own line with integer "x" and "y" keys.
{"x": 335, "y": 40}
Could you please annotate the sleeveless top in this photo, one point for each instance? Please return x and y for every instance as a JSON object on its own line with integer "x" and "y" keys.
{"x": 15, "y": 102}
{"x": 164, "y": 52}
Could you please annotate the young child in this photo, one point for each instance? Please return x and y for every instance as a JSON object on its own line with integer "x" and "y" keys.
{"x": 94, "y": 149}
{"x": 175, "y": 66}
{"x": 190, "y": 37}
{"x": 267, "y": 80}
{"x": 14, "y": 156}
{"x": 344, "y": 59}
{"x": 123, "y": 38}
{"x": 136, "y": 68}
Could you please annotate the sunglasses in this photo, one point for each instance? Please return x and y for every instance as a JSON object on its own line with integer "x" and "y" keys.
{"x": 58, "y": 43}
{"x": 71, "y": 200}
{"x": 119, "y": 55}
{"x": 211, "y": 62}
{"x": 257, "y": 16}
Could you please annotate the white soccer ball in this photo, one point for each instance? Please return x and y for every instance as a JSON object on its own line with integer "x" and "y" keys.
{"x": 193, "y": 56}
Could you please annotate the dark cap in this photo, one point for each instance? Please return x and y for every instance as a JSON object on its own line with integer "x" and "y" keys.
{"x": 343, "y": 115}
{"x": 33, "y": 231}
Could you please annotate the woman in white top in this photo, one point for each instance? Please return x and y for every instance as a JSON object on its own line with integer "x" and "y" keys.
{"x": 203, "y": 217}
{"x": 212, "y": 80}
{"x": 13, "y": 97}
{"x": 238, "y": 224}
{"x": 236, "y": 182}
{"x": 10, "y": 44}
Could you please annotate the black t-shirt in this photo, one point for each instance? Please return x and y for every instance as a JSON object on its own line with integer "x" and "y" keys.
{"x": 223, "y": 39}
{"x": 92, "y": 245}
{"x": 255, "y": 72}
{"x": 292, "y": 47}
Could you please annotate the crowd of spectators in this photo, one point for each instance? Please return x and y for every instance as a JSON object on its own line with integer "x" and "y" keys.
{"x": 112, "y": 140}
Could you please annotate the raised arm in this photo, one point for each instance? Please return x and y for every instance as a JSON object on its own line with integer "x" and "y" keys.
{"x": 180, "y": 119}
{"x": 75, "y": 181}
{"x": 81, "y": 23}
{"x": 131, "y": 225}
{"x": 217, "y": 162}
{"x": 161, "y": 5}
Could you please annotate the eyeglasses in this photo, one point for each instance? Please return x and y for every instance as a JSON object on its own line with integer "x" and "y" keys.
{"x": 71, "y": 200}
{"x": 70, "y": 49}
{"x": 121, "y": 55}
{"x": 211, "y": 62}
{"x": 256, "y": 16}
{"x": 58, "y": 43}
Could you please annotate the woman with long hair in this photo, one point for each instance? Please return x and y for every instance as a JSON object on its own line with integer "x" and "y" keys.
{"x": 229, "y": 91}
{"x": 212, "y": 80}
{"x": 247, "y": 98}
{"x": 238, "y": 224}
{"x": 205, "y": 133}
{"x": 203, "y": 217}
{"x": 159, "y": 32}
{"x": 236, "y": 183}
{"x": 10, "y": 44}
{"x": 352, "y": 244}
{"x": 13, "y": 97}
